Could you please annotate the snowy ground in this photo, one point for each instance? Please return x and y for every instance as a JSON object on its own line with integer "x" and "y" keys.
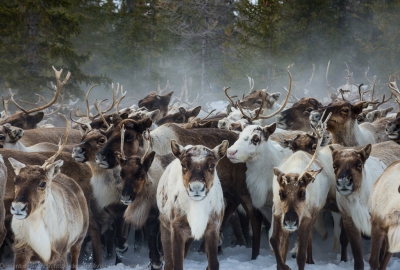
{"x": 239, "y": 257}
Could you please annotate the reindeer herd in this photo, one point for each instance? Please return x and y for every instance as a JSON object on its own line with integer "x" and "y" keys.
{"x": 176, "y": 178}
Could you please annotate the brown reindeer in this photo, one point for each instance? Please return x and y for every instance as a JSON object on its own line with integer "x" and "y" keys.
{"x": 297, "y": 117}
{"x": 182, "y": 116}
{"x": 154, "y": 101}
{"x": 191, "y": 203}
{"x": 50, "y": 214}
{"x": 393, "y": 129}
{"x": 344, "y": 128}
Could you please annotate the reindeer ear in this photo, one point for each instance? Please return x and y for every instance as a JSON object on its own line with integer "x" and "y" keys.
{"x": 53, "y": 169}
{"x": 286, "y": 143}
{"x": 182, "y": 110}
{"x": 36, "y": 118}
{"x": 194, "y": 112}
{"x": 364, "y": 152}
{"x": 269, "y": 130}
{"x": 358, "y": 107}
{"x": 388, "y": 110}
{"x": 142, "y": 125}
{"x": 153, "y": 115}
{"x": 280, "y": 177}
{"x": 308, "y": 177}
{"x": 16, "y": 165}
{"x": 220, "y": 150}
{"x": 167, "y": 97}
{"x": 177, "y": 149}
{"x": 333, "y": 150}
{"x": 148, "y": 160}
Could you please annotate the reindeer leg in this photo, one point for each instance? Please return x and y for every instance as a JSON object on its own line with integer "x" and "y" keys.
{"x": 75, "y": 250}
{"x": 237, "y": 230}
{"x": 179, "y": 235}
{"x": 309, "y": 248}
{"x": 211, "y": 239}
{"x": 245, "y": 224}
{"x": 305, "y": 229}
{"x": 122, "y": 232}
{"x": 167, "y": 247}
{"x": 344, "y": 242}
{"x": 386, "y": 256}
{"x": 277, "y": 244}
{"x": 378, "y": 249}
{"x": 22, "y": 258}
{"x": 95, "y": 234}
{"x": 153, "y": 230}
{"x": 354, "y": 236}
{"x": 256, "y": 222}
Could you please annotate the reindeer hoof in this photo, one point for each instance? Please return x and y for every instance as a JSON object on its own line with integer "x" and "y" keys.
{"x": 310, "y": 262}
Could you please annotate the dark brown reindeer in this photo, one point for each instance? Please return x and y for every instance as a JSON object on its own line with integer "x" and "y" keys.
{"x": 50, "y": 214}
{"x": 182, "y": 116}
{"x": 154, "y": 101}
{"x": 393, "y": 129}
{"x": 233, "y": 177}
{"x": 3, "y": 182}
{"x": 297, "y": 117}
{"x": 191, "y": 203}
{"x": 138, "y": 193}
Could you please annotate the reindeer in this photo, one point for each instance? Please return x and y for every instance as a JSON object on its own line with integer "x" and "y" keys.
{"x": 154, "y": 101}
{"x": 344, "y": 128}
{"x": 138, "y": 192}
{"x": 297, "y": 202}
{"x": 191, "y": 204}
{"x": 26, "y": 119}
{"x": 383, "y": 205}
{"x": 297, "y": 116}
{"x": 393, "y": 129}
{"x": 181, "y": 116}
{"x": 3, "y": 181}
{"x": 50, "y": 214}
{"x": 356, "y": 170}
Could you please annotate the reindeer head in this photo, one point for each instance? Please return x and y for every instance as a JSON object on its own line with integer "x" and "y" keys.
{"x": 254, "y": 100}
{"x": 182, "y": 116}
{"x": 198, "y": 167}
{"x": 133, "y": 175}
{"x": 248, "y": 145}
{"x": 293, "y": 196}
{"x": 32, "y": 184}
{"x": 23, "y": 120}
{"x": 305, "y": 142}
{"x": 90, "y": 144}
{"x": 348, "y": 165}
{"x": 297, "y": 117}
{"x": 10, "y": 134}
{"x": 106, "y": 157}
{"x": 154, "y": 101}
{"x": 343, "y": 114}
{"x": 393, "y": 128}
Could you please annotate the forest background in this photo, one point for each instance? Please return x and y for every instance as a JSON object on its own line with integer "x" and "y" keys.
{"x": 201, "y": 44}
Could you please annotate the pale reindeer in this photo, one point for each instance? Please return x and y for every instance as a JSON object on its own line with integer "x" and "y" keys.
{"x": 356, "y": 171}
{"x": 191, "y": 203}
{"x": 50, "y": 214}
{"x": 384, "y": 206}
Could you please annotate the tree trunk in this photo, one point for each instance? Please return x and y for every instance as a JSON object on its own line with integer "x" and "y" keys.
{"x": 33, "y": 20}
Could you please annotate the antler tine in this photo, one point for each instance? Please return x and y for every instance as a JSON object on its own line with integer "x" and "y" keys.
{"x": 229, "y": 98}
{"x": 118, "y": 102}
{"x": 30, "y": 103}
{"x": 77, "y": 113}
{"x": 311, "y": 78}
{"x": 15, "y": 103}
{"x": 395, "y": 91}
{"x": 204, "y": 118}
{"x": 320, "y": 136}
{"x": 59, "y": 108}
{"x": 60, "y": 85}
{"x": 87, "y": 101}
{"x": 249, "y": 118}
{"x": 61, "y": 144}
{"x": 383, "y": 101}
{"x": 111, "y": 106}
{"x": 326, "y": 78}
{"x": 5, "y": 106}
{"x": 286, "y": 99}
{"x": 251, "y": 83}
{"x": 80, "y": 123}
{"x": 122, "y": 142}
{"x": 97, "y": 106}
{"x": 359, "y": 92}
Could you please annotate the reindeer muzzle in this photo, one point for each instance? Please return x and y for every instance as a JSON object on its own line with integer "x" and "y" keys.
{"x": 19, "y": 210}
{"x": 197, "y": 190}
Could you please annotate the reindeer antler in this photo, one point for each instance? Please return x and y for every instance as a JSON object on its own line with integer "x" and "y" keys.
{"x": 61, "y": 144}
{"x": 326, "y": 78}
{"x": 229, "y": 98}
{"x": 60, "y": 85}
{"x": 122, "y": 142}
{"x": 80, "y": 123}
{"x": 97, "y": 106}
{"x": 319, "y": 132}
{"x": 395, "y": 91}
{"x": 5, "y": 106}
{"x": 251, "y": 83}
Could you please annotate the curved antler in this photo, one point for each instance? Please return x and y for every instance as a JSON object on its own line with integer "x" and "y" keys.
{"x": 229, "y": 98}
{"x": 80, "y": 123}
{"x": 97, "y": 106}
{"x": 60, "y": 85}
{"x": 59, "y": 108}
{"x": 61, "y": 144}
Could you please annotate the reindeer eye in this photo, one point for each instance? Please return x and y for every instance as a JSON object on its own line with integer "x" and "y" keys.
{"x": 281, "y": 195}
{"x": 345, "y": 110}
{"x": 258, "y": 101}
{"x": 303, "y": 194}
{"x": 128, "y": 138}
{"x": 212, "y": 166}
{"x": 102, "y": 140}
{"x": 255, "y": 140}
{"x": 156, "y": 105}
{"x": 309, "y": 110}
{"x": 359, "y": 166}
{"x": 334, "y": 167}
{"x": 42, "y": 185}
